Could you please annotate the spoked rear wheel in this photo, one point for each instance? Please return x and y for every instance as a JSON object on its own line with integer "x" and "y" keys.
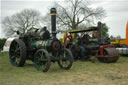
{"x": 17, "y": 52}
{"x": 42, "y": 60}
{"x": 66, "y": 59}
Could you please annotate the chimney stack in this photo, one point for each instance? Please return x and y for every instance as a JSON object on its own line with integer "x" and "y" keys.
{"x": 53, "y": 22}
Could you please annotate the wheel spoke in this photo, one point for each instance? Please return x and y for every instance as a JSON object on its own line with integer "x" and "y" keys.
{"x": 12, "y": 50}
{"x": 18, "y": 49}
{"x": 61, "y": 57}
{"x": 13, "y": 57}
{"x": 15, "y": 62}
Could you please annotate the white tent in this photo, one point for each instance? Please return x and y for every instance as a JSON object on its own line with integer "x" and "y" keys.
{"x": 7, "y": 44}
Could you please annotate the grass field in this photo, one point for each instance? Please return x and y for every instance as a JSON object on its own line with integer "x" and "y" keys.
{"x": 81, "y": 73}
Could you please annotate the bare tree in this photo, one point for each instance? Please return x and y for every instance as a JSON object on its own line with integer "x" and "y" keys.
{"x": 76, "y": 12}
{"x": 22, "y": 21}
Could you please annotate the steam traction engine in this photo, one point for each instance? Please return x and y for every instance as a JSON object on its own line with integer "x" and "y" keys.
{"x": 84, "y": 45}
{"x": 42, "y": 52}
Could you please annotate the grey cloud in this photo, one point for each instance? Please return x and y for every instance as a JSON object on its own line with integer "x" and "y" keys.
{"x": 117, "y": 11}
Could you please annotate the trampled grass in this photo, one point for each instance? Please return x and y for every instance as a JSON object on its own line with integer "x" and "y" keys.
{"x": 81, "y": 73}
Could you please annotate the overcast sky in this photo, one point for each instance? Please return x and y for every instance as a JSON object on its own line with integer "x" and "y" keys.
{"x": 117, "y": 11}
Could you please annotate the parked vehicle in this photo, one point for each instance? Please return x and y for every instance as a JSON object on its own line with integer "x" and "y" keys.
{"x": 88, "y": 42}
{"x": 41, "y": 48}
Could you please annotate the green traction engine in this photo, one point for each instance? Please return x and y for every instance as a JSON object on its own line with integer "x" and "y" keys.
{"x": 42, "y": 50}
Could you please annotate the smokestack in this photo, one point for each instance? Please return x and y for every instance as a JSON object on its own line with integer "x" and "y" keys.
{"x": 53, "y": 22}
{"x": 99, "y": 32}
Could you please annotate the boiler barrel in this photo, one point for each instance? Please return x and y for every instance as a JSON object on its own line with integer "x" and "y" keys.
{"x": 39, "y": 44}
{"x": 52, "y": 45}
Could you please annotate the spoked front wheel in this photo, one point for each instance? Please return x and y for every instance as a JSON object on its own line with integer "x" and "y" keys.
{"x": 66, "y": 59}
{"x": 42, "y": 60}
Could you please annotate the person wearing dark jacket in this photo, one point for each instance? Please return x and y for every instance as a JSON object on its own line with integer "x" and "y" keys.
{"x": 44, "y": 33}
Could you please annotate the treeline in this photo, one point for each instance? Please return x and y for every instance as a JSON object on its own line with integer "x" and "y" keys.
{"x": 2, "y": 42}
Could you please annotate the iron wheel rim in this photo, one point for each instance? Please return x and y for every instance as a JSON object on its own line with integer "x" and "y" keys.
{"x": 14, "y": 53}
